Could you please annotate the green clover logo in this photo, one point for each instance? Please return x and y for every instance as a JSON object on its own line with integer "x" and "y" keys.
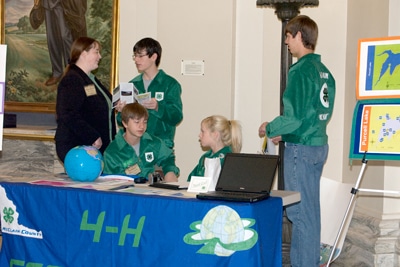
{"x": 149, "y": 156}
{"x": 8, "y": 215}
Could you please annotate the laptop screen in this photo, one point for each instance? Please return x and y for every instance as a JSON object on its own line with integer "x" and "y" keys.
{"x": 247, "y": 172}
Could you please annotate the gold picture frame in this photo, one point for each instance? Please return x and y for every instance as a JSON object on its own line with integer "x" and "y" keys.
{"x": 49, "y": 107}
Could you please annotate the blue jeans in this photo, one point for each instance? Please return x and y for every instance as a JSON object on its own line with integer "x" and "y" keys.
{"x": 302, "y": 172}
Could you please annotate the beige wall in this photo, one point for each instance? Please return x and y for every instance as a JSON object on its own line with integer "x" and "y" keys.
{"x": 240, "y": 44}
{"x": 187, "y": 30}
{"x": 392, "y": 173}
{"x": 198, "y": 35}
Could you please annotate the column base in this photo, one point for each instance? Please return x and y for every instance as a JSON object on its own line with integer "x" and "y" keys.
{"x": 370, "y": 242}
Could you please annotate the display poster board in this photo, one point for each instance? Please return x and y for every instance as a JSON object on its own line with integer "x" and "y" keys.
{"x": 3, "y": 55}
{"x": 378, "y": 68}
{"x": 376, "y": 130}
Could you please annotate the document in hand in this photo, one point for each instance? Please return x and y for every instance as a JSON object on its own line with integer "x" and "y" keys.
{"x": 143, "y": 97}
{"x": 125, "y": 92}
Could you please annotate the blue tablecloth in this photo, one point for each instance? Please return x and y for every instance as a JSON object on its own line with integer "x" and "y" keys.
{"x": 69, "y": 227}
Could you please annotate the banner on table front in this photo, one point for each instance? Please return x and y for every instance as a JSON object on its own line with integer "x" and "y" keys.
{"x": 79, "y": 227}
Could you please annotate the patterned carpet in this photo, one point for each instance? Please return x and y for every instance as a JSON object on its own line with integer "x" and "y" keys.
{"x": 26, "y": 158}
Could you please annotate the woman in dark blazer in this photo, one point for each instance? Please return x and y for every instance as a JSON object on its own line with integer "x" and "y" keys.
{"x": 84, "y": 106}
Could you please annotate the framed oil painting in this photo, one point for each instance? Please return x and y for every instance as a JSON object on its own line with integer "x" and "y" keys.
{"x": 29, "y": 64}
{"x": 378, "y": 68}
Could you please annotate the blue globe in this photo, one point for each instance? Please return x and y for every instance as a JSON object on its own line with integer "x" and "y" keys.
{"x": 84, "y": 163}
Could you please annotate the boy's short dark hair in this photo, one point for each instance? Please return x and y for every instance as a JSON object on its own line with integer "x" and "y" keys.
{"x": 151, "y": 46}
{"x": 308, "y": 29}
{"x": 133, "y": 111}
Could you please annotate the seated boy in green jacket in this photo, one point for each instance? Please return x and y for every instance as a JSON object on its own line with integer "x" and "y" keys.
{"x": 136, "y": 152}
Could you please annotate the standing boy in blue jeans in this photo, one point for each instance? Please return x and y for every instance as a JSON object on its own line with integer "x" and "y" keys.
{"x": 308, "y": 104}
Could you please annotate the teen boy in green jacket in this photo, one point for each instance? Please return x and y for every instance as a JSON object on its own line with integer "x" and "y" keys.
{"x": 165, "y": 105}
{"x": 136, "y": 152}
{"x": 308, "y": 105}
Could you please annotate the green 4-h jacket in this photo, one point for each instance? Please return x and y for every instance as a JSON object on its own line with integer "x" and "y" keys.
{"x": 200, "y": 168}
{"x": 167, "y": 91}
{"x": 120, "y": 157}
{"x": 308, "y": 103}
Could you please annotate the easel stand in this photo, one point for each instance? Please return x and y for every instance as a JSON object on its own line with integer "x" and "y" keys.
{"x": 354, "y": 191}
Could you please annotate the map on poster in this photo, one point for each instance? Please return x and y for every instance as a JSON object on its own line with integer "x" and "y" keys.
{"x": 376, "y": 130}
{"x": 378, "y": 73}
{"x": 383, "y": 68}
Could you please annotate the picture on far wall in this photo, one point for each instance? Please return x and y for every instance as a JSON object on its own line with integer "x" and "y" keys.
{"x": 30, "y": 63}
{"x": 378, "y": 68}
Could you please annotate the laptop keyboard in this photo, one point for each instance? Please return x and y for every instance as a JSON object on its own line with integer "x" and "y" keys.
{"x": 240, "y": 194}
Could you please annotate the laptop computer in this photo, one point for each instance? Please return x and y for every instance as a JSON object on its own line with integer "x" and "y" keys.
{"x": 244, "y": 178}
{"x": 171, "y": 185}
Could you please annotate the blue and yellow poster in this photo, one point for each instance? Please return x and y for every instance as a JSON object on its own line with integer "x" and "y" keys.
{"x": 376, "y": 130}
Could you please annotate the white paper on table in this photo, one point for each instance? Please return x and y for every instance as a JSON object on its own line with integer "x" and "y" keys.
{"x": 212, "y": 169}
{"x": 199, "y": 184}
